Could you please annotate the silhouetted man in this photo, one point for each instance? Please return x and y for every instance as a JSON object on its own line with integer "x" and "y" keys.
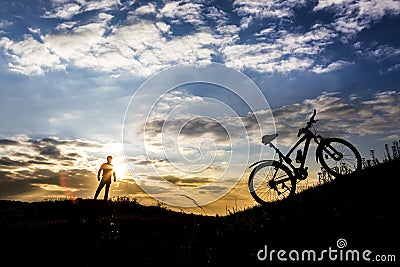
{"x": 108, "y": 173}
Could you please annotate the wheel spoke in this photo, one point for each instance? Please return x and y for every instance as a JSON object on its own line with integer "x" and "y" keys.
{"x": 270, "y": 182}
{"x": 348, "y": 163}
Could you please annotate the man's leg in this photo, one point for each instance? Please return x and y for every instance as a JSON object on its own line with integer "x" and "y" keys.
{"x": 106, "y": 192}
{"x": 101, "y": 185}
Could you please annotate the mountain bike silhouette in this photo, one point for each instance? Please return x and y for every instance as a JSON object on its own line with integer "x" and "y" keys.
{"x": 273, "y": 180}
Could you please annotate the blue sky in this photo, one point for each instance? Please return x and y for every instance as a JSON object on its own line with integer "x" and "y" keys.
{"x": 70, "y": 68}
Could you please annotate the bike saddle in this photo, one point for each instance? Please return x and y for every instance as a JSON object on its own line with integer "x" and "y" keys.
{"x": 266, "y": 139}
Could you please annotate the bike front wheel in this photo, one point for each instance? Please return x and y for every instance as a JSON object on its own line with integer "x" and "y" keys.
{"x": 270, "y": 181}
{"x": 339, "y": 157}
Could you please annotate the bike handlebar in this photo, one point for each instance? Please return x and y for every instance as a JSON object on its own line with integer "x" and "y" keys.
{"x": 313, "y": 116}
{"x": 309, "y": 123}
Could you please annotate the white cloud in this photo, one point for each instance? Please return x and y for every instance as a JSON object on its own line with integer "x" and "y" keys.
{"x": 34, "y": 31}
{"x": 245, "y": 22}
{"x": 142, "y": 47}
{"x": 376, "y": 51}
{"x": 332, "y": 66}
{"x": 53, "y": 187}
{"x": 65, "y": 10}
{"x": 311, "y": 42}
{"x": 4, "y": 24}
{"x": 395, "y": 67}
{"x": 292, "y": 64}
{"x": 391, "y": 137}
{"x": 96, "y": 5}
{"x": 163, "y": 27}
{"x": 139, "y": 48}
{"x": 286, "y": 53}
{"x": 259, "y": 9}
{"x": 217, "y": 15}
{"x": 65, "y": 26}
{"x": 352, "y": 17}
{"x": 145, "y": 9}
{"x": 30, "y": 57}
{"x": 82, "y": 46}
{"x": 181, "y": 11}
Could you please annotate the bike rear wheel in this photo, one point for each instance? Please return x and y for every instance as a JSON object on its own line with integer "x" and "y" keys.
{"x": 270, "y": 181}
{"x": 339, "y": 157}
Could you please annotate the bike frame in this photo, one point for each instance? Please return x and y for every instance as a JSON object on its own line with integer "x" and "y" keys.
{"x": 306, "y": 138}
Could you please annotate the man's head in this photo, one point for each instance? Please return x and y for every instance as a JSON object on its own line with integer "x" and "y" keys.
{"x": 109, "y": 159}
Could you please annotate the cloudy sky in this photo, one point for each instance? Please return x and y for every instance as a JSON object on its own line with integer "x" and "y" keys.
{"x": 69, "y": 70}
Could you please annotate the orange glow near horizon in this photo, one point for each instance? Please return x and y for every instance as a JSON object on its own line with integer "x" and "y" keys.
{"x": 63, "y": 181}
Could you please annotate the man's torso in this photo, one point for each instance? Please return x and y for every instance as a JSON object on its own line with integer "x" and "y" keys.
{"x": 108, "y": 170}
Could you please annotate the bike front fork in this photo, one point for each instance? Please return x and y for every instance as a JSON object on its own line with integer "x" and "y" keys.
{"x": 333, "y": 153}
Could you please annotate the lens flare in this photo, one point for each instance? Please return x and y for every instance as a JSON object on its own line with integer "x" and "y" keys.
{"x": 64, "y": 184}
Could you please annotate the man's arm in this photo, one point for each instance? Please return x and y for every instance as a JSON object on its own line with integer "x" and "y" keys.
{"x": 98, "y": 173}
{"x": 115, "y": 177}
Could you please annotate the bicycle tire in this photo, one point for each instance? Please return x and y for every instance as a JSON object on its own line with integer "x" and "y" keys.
{"x": 349, "y": 163}
{"x": 260, "y": 177}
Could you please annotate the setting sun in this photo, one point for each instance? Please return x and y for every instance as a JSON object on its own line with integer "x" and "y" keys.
{"x": 120, "y": 169}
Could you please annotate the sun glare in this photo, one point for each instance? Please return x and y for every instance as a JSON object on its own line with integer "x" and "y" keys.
{"x": 120, "y": 169}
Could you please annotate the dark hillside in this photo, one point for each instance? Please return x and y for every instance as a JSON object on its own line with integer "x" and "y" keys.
{"x": 360, "y": 209}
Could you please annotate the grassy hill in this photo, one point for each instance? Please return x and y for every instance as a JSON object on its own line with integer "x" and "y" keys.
{"x": 361, "y": 208}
